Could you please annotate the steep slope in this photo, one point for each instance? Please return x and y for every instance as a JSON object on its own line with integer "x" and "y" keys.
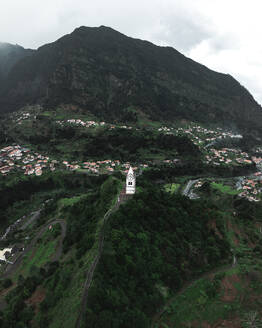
{"x": 9, "y": 55}
{"x": 105, "y": 72}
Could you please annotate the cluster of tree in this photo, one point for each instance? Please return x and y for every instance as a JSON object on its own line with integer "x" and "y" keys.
{"x": 56, "y": 286}
{"x": 117, "y": 143}
{"x": 17, "y": 313}
{"x": 131, "y": 144}
{"x": 248, "y": 211}
{"x": 83, "y": 216}
{"x": 22, "y": 188}
{"x": 196, "y": 168}
{"x": 155, "y": 239}
{"x": 81, "y": 223}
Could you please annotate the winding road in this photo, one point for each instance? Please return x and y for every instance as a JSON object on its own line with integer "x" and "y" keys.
{"x": 34, "y": 217}
{"x": 186, "y": 192}
{"x": 12, "y": 268}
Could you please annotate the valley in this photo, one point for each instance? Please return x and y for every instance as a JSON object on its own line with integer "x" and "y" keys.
{"x": 131, "y": 188}
{"x": 44, "y": 239}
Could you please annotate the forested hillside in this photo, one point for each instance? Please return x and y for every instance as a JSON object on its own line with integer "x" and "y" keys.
{"x": 154, "y": 244}
{"x": 102, "y": 71}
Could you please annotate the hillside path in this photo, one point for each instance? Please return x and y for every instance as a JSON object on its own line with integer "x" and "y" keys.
{"x": 188, "y": 284}
{"x": 89, "y": 276}
{"x": 35, "y": 216}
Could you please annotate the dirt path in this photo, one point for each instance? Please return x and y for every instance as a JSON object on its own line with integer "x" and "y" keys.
{"x": 89, "y": 276}
{"x": 11, "y": 268}
{"x": 59, "y": 248}
{"x": 158, "y": 315}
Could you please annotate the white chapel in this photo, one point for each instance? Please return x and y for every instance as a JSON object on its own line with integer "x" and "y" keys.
{"x": 130, "y": 182}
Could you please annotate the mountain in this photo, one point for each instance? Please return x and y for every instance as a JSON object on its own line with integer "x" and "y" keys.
{"x": 9, "y": 55}
{"x": 184, "y": 250}
{"x": 108, "y": 74}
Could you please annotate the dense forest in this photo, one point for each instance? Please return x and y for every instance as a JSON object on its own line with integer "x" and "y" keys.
{"x": 155, "y": 242}
{"x": 118, "y": 143}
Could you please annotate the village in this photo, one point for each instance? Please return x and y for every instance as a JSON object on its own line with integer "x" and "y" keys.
{"x": 249, "y": 188}
{"x": 91, "y": 124}
{"x": 16, "y": 158}
{"x": 19, "y": 159}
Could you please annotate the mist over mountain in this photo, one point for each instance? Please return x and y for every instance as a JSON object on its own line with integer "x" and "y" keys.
{"x": 9, "y": 56}
{"x": 106, "y": 73}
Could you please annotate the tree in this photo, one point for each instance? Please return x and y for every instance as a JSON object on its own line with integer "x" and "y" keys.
{"x": 251, "y": 320}
{"x": 7, "y": 283}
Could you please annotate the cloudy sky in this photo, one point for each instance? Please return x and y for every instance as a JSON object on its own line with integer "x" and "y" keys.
{"x": 221, "y": 34}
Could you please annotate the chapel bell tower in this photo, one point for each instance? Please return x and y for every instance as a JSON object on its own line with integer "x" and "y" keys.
{"x": 130, "y": 182}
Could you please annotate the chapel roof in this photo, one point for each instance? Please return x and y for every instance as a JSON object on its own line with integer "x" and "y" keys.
{"x": 130, "y": 171}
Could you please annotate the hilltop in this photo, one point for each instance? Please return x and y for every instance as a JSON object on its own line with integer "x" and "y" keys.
{"x": 101, "y": 71}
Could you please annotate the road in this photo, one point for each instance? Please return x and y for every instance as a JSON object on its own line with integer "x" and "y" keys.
{"x": 12, "y": 268}
{"x": 15, "y": 226}
{"x": 34, "y": 217}
{"x": 186, "y": 192}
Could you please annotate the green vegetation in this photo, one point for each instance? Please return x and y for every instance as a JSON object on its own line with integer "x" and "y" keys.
{"x": 223, "y": 296}
{"x": 64, "y": 202}
{"x": 145, "y": 238}
{"x": 200, "y": 302}
{"x": 62, "y": 282}
{"x": 172, "y": 187}
{"x": 71, "y": 142}
{"x": 28, "y": 192}
{"x": 225, "y": 189}
{"x": 39, "y": 257}
{"x": 242, "y": 297}
{"x": 155, "y": 244}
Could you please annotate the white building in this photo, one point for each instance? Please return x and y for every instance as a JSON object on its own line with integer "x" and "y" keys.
{"x": 130, "y": 182}
{"x": 3, "y": 254}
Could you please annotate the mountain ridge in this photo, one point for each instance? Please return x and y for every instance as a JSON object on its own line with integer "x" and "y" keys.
{"x": 105, "y": 72}
{"x": 9, "y": 55}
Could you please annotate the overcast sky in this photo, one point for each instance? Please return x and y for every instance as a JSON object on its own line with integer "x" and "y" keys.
{"x": 221, "y": 34}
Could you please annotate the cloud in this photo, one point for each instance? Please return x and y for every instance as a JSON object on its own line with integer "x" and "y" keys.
{"x": 234, "y": 45}
{"x": 223, "y": 35}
